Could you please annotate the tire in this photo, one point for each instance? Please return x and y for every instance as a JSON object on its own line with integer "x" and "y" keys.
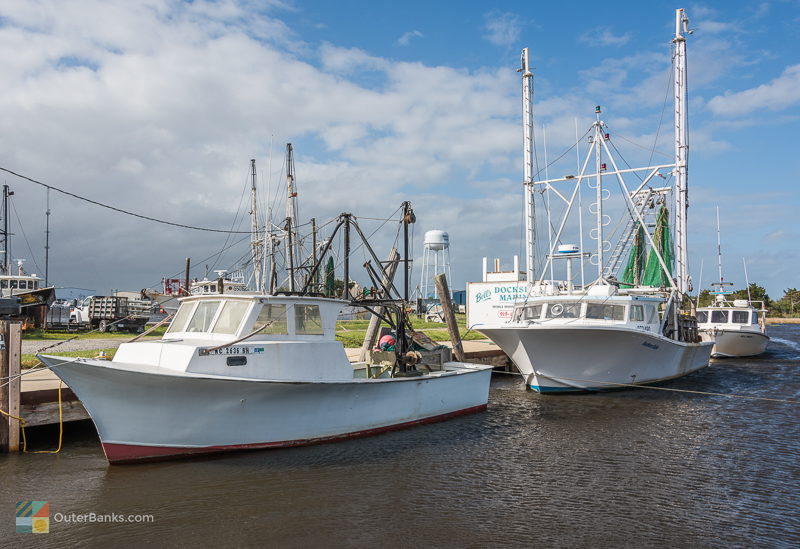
{"x": 103, "y": 326}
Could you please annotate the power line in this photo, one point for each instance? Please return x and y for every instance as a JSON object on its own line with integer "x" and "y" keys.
{"x": 126, "y": 212}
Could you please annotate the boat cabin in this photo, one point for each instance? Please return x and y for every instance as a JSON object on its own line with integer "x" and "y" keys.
{"x": 638, "y": 311}
{"x": 736, "y": 315}
{"x": 249, "y": 336}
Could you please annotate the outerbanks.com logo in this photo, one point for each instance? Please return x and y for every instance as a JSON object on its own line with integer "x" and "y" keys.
{"x": 33, "y": 517}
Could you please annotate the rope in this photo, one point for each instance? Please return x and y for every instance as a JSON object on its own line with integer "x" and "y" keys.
{"x": 22, "y": 424}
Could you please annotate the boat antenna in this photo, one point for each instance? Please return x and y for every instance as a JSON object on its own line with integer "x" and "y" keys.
{"x": 291, "y": 215}
{"x": 747, "y": 281}
{"x": 719, "y": 251}
{"x": 699, "y": 285}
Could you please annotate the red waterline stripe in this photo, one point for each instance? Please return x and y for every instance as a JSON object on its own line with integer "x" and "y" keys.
{"x": 129, "y": 453}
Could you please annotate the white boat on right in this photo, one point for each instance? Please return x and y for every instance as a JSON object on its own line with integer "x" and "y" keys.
{"x": 605, "y": 332}
{"x": 736, "y": 327}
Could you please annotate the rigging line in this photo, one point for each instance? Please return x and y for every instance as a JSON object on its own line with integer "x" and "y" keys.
{"x": 233, "y": 224}
{"x": 22, "y": 230}
{"x": 563, "y": 154}
{"x": 663, "y": 110}
{"x": 635, "y": 144}
{"x": 119, "y": 210}
{"x": 707, "y": 393}
{"x": 616, "y": 150}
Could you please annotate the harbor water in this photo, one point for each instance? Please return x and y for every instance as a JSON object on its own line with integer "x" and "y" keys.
{"x": 632, "y": 468}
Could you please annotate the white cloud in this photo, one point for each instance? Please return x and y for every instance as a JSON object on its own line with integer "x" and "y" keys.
{"x": 781, "y": 92}
{"x": 406, "y": 38}
{"x": 503, "y": 29}
{"x": 604, "y": 37}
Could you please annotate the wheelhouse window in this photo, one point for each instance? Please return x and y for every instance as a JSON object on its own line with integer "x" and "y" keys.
{"x": 637, "y": 313}
{"x": 702, "y": 317}
{"x": 230, "y": 317}
{"x": 599, "y": 311}
{"x": 307, "y": 320}
{"x": 755, "y": 318}
{"x": 740, "y": 317}
{"x": 203, "y": 315}
{"x": 532, "y": 312}
{"x": 719, "y": 317}
{"x": 181, "y": 318}
{"x": 13, "y": 283}
{"x": 563, "y": 310}
{"x": 3, "y": 283}
{"x": 273, "y": 316}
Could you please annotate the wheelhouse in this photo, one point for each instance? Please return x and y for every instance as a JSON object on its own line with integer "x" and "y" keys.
{"x": 608, "y": 310}
{"x": 229, "y": 317}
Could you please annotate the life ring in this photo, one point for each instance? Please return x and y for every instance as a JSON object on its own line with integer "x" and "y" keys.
{"x": 556, "y": 309}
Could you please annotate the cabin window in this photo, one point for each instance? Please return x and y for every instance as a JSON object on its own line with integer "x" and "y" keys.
{"x": 564, "y": 310}
{"x": 702, "y": 317}
{"x": 12, "y": 283}
{"x": 275, "y": 316}
{"x": 23, "y": 284}
{"x": 230, "y": 317}
{"x": 203, "y": 315}
{"x": 532, "y": 312}
{"x": 719, "y": 317}
{"x": 740, "y": 317}
{"x": 637, "y": 313}
{"x": 755, "y": 318}
{"x": 181, "y": 318}
{"x": 3, "y": 283}
{"x": 307, "y": 320}
{"x": 35, "y": 284}
{"x": 605, "y": 312}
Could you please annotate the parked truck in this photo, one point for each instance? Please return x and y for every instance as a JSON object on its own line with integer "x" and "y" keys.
{"x": 110, "y": 313}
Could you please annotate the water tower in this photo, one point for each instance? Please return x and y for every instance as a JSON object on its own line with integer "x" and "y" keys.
{"x": 436, "y": 257}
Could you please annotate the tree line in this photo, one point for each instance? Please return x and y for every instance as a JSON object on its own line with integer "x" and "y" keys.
{"x": 786, "y": 306}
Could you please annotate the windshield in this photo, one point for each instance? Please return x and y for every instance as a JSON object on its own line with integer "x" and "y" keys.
{"x": 181, "y": 317}
{"x": 201, "y": 319}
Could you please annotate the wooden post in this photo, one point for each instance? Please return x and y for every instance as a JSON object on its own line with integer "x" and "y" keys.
{"x": 374, "y": 321}
{"x": 9, "y": 380}
{"x": 449, "y": 316}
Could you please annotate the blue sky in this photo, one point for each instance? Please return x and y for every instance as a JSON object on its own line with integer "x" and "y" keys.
{"x": 158, "y": 107}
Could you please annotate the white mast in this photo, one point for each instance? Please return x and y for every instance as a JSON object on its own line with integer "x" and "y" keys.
{"x": 719, "y": 250}
{"x": 530, "y": 212}
{"x": 598, "y": 136}
{"x": 292, "y": 246}
{"x": 255, "y": 238}
{"x": 681, "y": 151}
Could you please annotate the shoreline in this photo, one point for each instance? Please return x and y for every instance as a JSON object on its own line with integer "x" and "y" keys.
{"x": 777, "y": 320}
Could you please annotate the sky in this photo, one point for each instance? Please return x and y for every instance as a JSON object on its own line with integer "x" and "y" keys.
{"x": 157, "y": 107}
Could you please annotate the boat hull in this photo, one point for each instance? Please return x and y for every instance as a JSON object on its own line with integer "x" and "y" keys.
{"x": 735, "y": 343}
{"x": 570, "y": 359}
{"x": 157, "y": 414}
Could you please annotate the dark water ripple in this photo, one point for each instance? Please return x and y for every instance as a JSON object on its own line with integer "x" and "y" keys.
{"x": 641, "y": 468}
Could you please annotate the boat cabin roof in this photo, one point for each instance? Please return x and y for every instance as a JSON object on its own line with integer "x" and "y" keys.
{"x": 227, "y": 317}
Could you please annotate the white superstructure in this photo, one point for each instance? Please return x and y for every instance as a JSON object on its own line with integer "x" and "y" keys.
{"x": 573, "y": 335}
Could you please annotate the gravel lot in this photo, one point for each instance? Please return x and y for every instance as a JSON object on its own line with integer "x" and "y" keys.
{"x": 32, "y": 346}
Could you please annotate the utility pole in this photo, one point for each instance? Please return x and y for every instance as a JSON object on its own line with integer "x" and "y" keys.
{"x": 47, "y": 241}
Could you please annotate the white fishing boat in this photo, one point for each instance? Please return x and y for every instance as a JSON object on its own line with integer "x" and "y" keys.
{"x": 736, "y": 327}
{"x": 247, "y": 371}
{"x": 606, "y": 333}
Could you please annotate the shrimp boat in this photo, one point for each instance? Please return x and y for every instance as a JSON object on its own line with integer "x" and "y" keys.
{"x": 607, "y": 333}
{"x": 737, "y": 328}
{"x": 256, "y": 370}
